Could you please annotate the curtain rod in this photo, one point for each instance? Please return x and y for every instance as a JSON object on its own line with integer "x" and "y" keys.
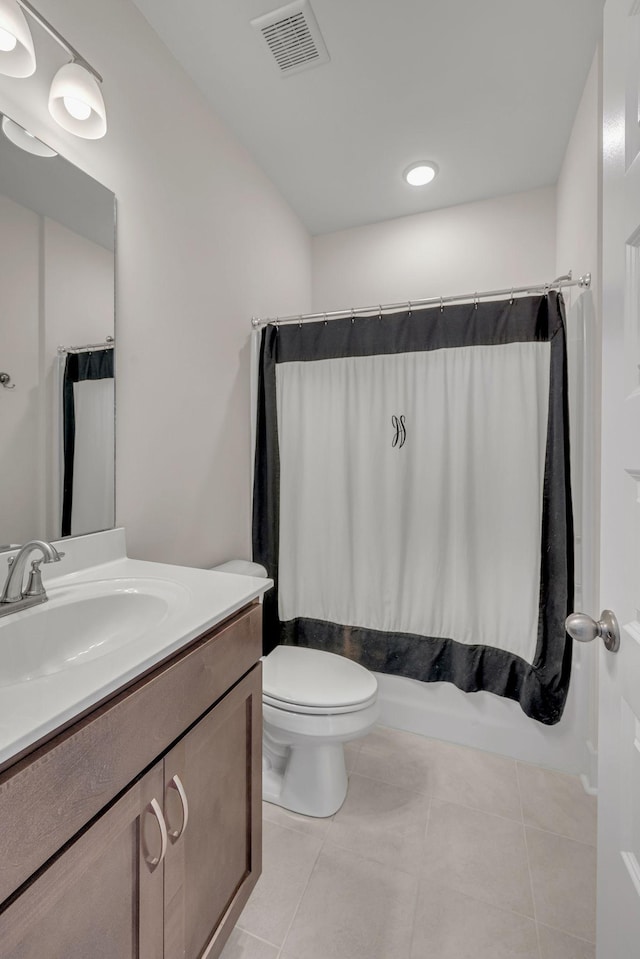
{"x": 89, "y": 348}
{"x": 559, "y": 283}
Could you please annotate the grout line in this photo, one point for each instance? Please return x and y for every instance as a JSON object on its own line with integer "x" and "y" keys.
{"x": 434, "y": 795}
{"x": 484, "y": 902}
{"x": 569, "y": 935}
{"x": 306, "y": 886}
{"x": 526, "y": 846}
{"x": 387, "y": 782}
{"x": 426, "y": 825}
{"x": 378, "y": 862}
{"x": 425, "y": 804}
{"x": 420, "y": 879}
{"x": 561, "y": 835}
{"x": 390, "y": 782}
{"x": 484, "y": 812}
{"x": 555, "y": 772}
{"x": 253, "y": 935}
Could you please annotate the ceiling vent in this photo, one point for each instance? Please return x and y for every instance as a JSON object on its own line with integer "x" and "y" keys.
{"x": 293, "y": 37}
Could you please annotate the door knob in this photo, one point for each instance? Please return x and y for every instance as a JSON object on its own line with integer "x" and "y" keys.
{"x": 584, "y": 629}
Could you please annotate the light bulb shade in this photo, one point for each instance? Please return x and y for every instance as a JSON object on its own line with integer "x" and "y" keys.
{"x": 77, "y": 86}
{"x": 25, "y": 140}
{"x": 20, "y": 60}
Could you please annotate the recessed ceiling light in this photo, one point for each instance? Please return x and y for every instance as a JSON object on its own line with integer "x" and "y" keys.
{"x": 419, "y": 174}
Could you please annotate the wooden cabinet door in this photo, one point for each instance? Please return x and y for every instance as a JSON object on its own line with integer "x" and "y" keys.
{"x": 99, "y": 898}
{"x": 213, "y": 862}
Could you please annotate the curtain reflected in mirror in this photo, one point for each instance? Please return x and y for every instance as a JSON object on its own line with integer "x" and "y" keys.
{"x": 87, "y": 440}
{"x": 57, "y": 302}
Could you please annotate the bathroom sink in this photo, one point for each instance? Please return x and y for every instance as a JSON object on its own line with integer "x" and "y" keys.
{"x": 83, "y": 622}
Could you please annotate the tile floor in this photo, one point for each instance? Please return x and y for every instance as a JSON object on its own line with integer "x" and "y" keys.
{"x": 439, "y": 852}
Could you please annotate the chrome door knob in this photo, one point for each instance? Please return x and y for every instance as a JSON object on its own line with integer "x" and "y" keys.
{"x": 584, "y": 629}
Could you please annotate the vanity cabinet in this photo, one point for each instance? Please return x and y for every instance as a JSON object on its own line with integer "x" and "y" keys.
{"x": 164, "y": 867}
{"x": 99, "y": 898}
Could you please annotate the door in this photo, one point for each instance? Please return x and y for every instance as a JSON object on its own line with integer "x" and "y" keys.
{"x": 102, "y": 897}
{"x": 618, "y": 932}
{"x": 213, "y": 811}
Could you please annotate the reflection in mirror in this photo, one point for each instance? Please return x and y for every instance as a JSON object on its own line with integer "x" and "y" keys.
{"x": 56, "y": 346}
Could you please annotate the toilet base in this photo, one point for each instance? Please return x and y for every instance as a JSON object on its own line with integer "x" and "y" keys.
{"x": 311, "y": 780}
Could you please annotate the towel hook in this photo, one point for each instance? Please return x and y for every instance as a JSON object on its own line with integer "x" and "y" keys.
{"x": 5, "y": 382}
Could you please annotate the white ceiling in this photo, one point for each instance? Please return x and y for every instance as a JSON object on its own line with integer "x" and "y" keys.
{"x": 487, "y": 89}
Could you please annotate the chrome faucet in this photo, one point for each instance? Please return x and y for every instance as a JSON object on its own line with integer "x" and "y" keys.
{"x": 14, "y": 597}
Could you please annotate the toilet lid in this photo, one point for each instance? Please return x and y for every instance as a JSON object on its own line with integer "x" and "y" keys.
{"x": 314, "y": 678}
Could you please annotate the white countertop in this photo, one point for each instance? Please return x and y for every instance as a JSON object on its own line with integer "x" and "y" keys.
{"x": 31, "y": 710}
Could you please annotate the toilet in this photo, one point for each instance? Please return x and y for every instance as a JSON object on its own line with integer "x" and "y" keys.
{"x": 313, "y": 702}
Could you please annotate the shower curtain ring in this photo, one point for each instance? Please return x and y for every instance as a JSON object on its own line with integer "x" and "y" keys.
{"x": 410, "y": 307}
{"x": 379, "y": 311}
{"x": 353, "y": 315}
{"x": 511, "y": 298}
{"x": 441, "y": 305}
{"x": 300, "y": 322}
{"x": 325, "y": 318}
{"x": 475, "y": 300}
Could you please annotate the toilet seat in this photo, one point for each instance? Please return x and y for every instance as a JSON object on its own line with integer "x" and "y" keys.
{"x": 288, "y": 707}
{"x": 312, "y": 681}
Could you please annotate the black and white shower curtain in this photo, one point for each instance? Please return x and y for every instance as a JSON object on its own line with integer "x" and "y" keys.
{"x": 412, "y": 494}
{"x": 88, "y": 502}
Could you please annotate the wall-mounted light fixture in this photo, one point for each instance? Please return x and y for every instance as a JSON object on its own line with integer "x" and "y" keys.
{"x": 75, "y": 97}
{"x": 25, "y": 140}
{"x": 17, "y": 56}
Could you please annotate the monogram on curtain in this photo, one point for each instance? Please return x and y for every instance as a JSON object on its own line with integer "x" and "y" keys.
{"x": 412, "y": 495}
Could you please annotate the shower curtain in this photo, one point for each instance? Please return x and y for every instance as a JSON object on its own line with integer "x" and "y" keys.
{"x": 412, "y": 494}
{"x": 88, "y": 442}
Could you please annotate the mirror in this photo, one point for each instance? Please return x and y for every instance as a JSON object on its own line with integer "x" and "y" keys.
{"x": 57, "y": 328}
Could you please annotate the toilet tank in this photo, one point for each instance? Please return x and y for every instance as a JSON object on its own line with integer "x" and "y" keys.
{"x": 242, "y": 567}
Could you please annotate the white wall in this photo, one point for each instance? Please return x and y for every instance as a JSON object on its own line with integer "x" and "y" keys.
{"x": 204, "y": 241}
{"x": 492, "y": 244}
{"x": 578, "y": 247}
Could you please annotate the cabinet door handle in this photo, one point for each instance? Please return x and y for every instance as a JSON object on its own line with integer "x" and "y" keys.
{"x": 153, "y": 861}
{"x": 176, "y": 784}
